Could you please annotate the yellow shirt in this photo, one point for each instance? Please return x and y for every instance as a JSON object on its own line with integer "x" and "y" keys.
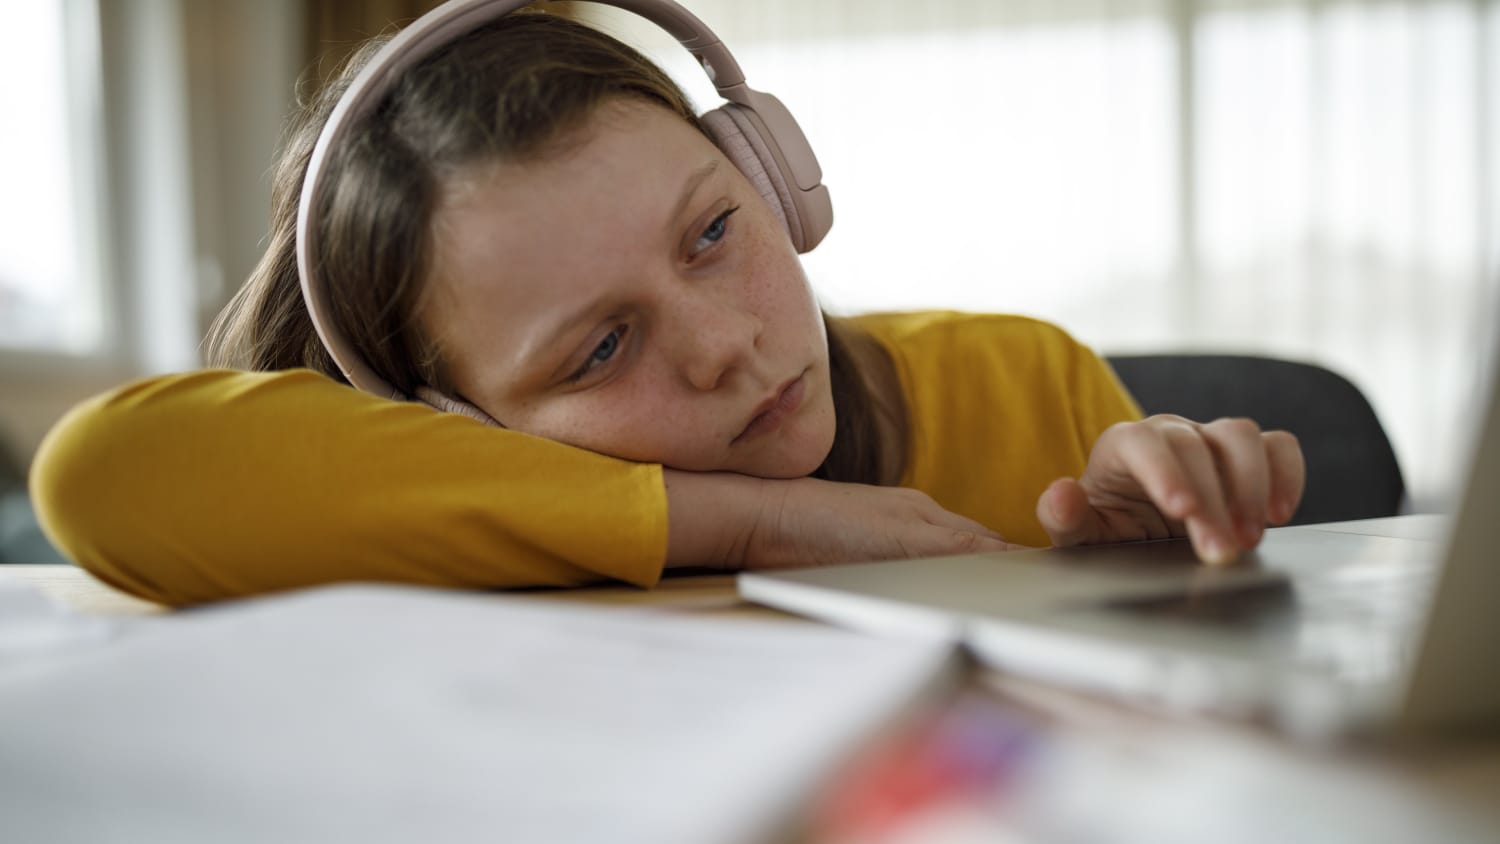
{"x": 999, "y": 407}
{"x": 207, "y": 485}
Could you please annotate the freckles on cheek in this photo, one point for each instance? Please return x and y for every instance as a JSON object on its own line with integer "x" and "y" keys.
{"x": 774, "y": 281}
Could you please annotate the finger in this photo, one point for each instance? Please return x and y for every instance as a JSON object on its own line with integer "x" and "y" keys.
{"x": 1208, "y": 524}
{"x": 1063, "y": 509}
{"x": 1149, "y": 458}
{"x": 921, "y": 539}
{"x": 1288, "y": 474}
{"x": 1170, "y": 460}
{"x": 938, "y": 541}
{"x": 936, "y": 515}
{"x": 1244, "y": 476}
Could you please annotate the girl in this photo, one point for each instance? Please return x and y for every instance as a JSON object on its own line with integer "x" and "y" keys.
{"x": 535, "y": 221}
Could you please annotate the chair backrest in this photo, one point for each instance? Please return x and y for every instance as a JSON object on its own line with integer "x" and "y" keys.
{"x": 1352, "y": 472}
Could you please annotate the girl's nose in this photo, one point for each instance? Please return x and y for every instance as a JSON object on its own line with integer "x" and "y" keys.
{"x": 717, "y": 338}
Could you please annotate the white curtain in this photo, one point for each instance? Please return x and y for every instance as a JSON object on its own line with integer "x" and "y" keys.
{"x": 1312, "y": 180}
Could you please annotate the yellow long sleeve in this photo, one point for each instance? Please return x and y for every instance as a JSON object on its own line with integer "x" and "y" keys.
{"x": 195, "y": 487}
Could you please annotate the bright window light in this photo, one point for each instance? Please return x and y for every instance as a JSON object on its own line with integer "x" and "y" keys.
{"x": 48, "y": 293}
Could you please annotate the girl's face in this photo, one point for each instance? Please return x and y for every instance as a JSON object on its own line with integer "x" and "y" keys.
{"x": 632, "y": 294}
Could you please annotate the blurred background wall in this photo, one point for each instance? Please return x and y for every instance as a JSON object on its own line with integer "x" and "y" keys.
{"x": 1314, "y": 180}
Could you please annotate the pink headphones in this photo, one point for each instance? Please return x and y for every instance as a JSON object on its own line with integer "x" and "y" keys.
{"x": 753, "y": 129}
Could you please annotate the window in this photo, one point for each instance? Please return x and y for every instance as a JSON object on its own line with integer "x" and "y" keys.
{"x": 1309, "y": 180}
{"x": 49, "y": 281}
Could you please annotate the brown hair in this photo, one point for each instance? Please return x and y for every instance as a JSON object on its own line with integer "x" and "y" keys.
{"x": 508, "y": 90}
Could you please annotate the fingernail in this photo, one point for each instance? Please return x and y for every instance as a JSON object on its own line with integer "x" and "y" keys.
{"x": 1213, "y": 550}
{"x": 1220, "y": 553}
{"x": 1250, "y": 533}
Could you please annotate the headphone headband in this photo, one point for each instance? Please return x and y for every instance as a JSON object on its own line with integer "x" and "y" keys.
{"x": 441, "y": 26}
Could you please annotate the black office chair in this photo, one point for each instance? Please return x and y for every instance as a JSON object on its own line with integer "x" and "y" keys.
{"x": 1352, "y": 471}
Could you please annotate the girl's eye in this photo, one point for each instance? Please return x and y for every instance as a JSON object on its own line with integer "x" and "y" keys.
{"x": 602, "y": 353}
{"x": 715, "y": 231}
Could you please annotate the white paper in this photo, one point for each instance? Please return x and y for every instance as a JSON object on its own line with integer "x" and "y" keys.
{"x": 367, "y": 713}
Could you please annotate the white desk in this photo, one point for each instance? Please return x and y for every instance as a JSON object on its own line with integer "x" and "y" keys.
{"x": 1457, "y": 779}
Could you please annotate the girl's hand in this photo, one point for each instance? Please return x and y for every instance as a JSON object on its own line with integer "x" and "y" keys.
{"x": 811, "y": 522}
{"x": 734, "y": 521}
{"x": 1219, "y": 483}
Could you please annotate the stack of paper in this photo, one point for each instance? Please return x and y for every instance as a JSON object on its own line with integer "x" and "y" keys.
{"x": 367, "y": 713}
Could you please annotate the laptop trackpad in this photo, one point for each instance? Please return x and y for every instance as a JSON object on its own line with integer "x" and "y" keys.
{"x": 1360, "y": 622}
{"x": 1247, "y": 608}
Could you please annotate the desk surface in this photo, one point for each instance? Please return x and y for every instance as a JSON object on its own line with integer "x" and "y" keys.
{"x": 1463, "y": 775}
{"x": 81, "y": 591}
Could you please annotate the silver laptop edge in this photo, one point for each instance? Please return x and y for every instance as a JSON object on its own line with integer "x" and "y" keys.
{"x": 1042, "y": 614}
{"x": 1455, "y": 678}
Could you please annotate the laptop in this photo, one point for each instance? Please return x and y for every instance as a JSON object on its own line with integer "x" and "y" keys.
{"x": 1323, "y": 630}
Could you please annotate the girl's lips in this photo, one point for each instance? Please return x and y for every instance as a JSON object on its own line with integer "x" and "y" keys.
{"x": 775, "y": 411}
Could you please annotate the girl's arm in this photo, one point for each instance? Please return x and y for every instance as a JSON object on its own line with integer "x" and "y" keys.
{"x": 209, "y": 485}
{"x": 191, "y": 488}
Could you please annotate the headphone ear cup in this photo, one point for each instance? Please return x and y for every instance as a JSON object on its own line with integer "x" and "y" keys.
{"x": 734, "y": 133}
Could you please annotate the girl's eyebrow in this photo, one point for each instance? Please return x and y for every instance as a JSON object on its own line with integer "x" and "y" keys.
{"x": 541, "y": 344}
{"x": 694, "y": 181}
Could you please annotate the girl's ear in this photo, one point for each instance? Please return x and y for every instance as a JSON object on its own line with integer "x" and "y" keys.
{"x": 447, "y": 404}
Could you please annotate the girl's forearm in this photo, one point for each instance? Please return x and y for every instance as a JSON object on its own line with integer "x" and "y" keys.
{"x": 711, "y": 517}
